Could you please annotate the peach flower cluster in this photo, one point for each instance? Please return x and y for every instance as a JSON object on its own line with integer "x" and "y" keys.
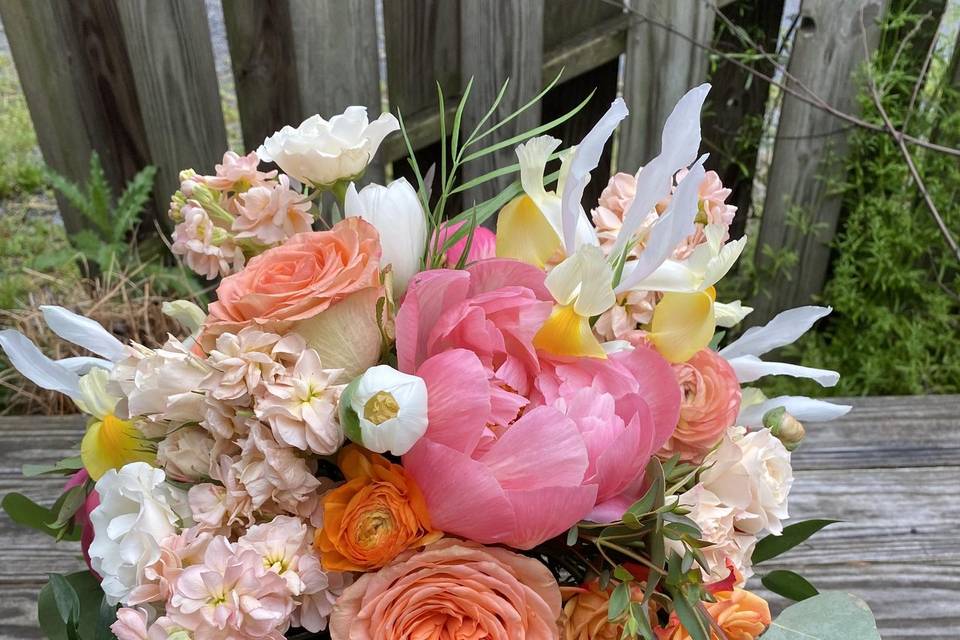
{"x": 224, "y": 219}
{"x": 741, "y": 615}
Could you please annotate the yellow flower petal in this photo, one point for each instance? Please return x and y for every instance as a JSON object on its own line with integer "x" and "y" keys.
{"x": 565, "y": 333}
{"x": 683, "y": 323}
{"x": 524, "y": 233}
{"x": 111, "y": 443}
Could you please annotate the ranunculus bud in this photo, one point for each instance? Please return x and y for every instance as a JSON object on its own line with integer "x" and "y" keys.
{"x": 785, "y": 427}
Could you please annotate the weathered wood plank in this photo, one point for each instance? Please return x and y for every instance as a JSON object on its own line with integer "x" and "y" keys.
{"x": 800, "y": 212}
{"x": 659, "y": 68}
{"x": 78, "y": 82}
{"x": 264, "y": 69}
{"x": 500, "y": 40}
{"x": 176, "y": 84}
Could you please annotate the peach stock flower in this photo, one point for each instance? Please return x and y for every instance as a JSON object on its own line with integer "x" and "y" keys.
{"x": 711, "y": 401}
{"x": 742, "y": 616}
{"x": 448, "y": 591}
{"x": 377, "y": 514}
{"x": 298, "y": 280}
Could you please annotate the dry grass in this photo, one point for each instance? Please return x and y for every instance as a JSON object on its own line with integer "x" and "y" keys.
{"x": 127, "y": 306}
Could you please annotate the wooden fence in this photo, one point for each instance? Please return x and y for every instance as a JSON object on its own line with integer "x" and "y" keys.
{"x": 135, "y": 81}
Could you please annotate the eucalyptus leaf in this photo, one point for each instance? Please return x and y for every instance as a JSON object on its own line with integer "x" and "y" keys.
{"x": 87, "y": 588}
{"x": 772, "y": 546}
{"x": 619, "y": 601}
{"x": 690, "y": 618}
{"x": 789, "y": 585}
{"x": 67, "y": 466}
{"x": 832, "y": 615}
{"x": 65, "y": 598}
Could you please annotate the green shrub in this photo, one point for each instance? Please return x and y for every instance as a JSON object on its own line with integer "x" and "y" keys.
{"x": 21, "y": 170}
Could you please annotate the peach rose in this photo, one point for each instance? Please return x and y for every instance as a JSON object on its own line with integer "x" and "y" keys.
{"x": 451, "y": 590}
{"x": 378, "y": 513}
{"x": 711, "y": 402}
{"x": 585, "y": 613}
{"x": 301, "y": 278}
{"x": 740, "y": 614}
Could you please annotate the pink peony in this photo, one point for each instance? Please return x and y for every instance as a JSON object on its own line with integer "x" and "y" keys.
{"x": 272, "y": 213}
{"x": 711, "y": 402}
{"x": 231, "y": 595}
{"x": 483, "y": 246}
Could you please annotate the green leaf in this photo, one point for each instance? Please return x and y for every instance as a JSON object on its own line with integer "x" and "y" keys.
{"x": 572, "y": 535}
{"x": 130, "y": 206}
{"x": 621, "y": 574}
{"x": 66, "y": 599}
{"x": 107, "y": 616}
{"x": 67, "y": 466}
{"x": 98, "y": 198}
{"x": 28, "y": 513}
{"x": 619, "y": 601}
{"x": 773, "y": 546}
{"x": 69, "y": 505}
{"x": 789, "y": 585}
{"x": 690, "y": 618}
{"x": 832, "y": 615}
{"x": 348, "y": 417}
{"x": 87, "y": 589}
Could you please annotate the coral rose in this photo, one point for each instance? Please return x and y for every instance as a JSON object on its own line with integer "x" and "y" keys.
{"x": 448, "y": 591}
{"x": 740, "y": 614}
{"x": 378, "y": 513}
{"x": 585, "y": 613}
{"x": 298, "y": 280}
{"x": 711, "y": 402}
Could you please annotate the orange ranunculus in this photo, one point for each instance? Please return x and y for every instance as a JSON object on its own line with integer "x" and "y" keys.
{"x": 301, "y": 278}
{"x": 377, "y": 514}
{"x": 585, "y": 613}
{"x": 741, "y": 614}
{"x": 451, "y": 590}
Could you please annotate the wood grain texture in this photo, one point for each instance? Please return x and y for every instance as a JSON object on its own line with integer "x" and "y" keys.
{"x": 800, "y": 213}
{"x": 176, "y": 83}
{"x": 659, "y": 68}
{"x": 500, "y": 40}
{"x": 890, "y": 470}
{"x": 78, "y": 82}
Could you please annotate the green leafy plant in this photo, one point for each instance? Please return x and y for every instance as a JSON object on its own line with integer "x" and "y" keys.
{"x": 111, "y": 221}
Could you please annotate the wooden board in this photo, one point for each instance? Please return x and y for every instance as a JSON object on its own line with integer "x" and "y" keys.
{"x": 890, "y": 470}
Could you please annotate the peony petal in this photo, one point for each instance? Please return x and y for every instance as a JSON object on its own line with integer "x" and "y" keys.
{"x": 84, "y": 332}
{"x": 36, "y": 367}
{"x": 750, "y": 368}
{"x": 429, "y": 294}
{"x": 784, "y": 329}
{"x": 657, "y": 385}
{"x": 625, "y": 456}
{"x": 585, "y": 159}
{"x": 547, "y": 512}
{"x": 683, "y": 323}
{"x": 800, "y": 407}
{"x": 561, "y": 455}
{"x": 346, "y": 336}
{"x": 490, "y": 275}
{"x": 458, "y": 399}
{"x": 462, "y": 496}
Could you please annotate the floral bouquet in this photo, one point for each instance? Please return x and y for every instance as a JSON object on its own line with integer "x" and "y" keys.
{"x": 395, "y": 423}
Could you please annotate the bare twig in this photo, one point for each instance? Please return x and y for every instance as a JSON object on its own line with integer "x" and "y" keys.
{"x": 806, "y": 96}
{"x": 920, "y": 77}
{"x": 908, "y": 158}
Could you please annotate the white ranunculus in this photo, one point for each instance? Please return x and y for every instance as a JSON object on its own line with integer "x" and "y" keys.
{"x": 391, "y": 408}
{"x": 396, "y": 212}
{"x": 321, "y": 152}
{"x": 717, "y": 526}
{"x": 137, "y": 510}
{"x": 751, "y": 472}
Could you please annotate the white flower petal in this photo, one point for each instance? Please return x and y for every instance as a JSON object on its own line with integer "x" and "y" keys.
{"x": 750, "y": 368}
{"x": 679, "y": 142}
{"x": 800, "y": 407}
{"x": 677, "y": 222}
{"x": 784, "y": 329}
{"x": 729, "y": 314}
{"x": 36, "y": 367}
{"x": 533, "y": 156}
{"x": 584, "y": 280}
{"x": 585, "y": 159}
{"x": 84, "y": 332}
{"x": 83, "y": 364}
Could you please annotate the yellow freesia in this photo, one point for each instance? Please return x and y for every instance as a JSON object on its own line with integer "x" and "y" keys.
{"x": 582, "y": 285}
{"x": 111, "y": 443}
{"x": 683, "y": 323}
